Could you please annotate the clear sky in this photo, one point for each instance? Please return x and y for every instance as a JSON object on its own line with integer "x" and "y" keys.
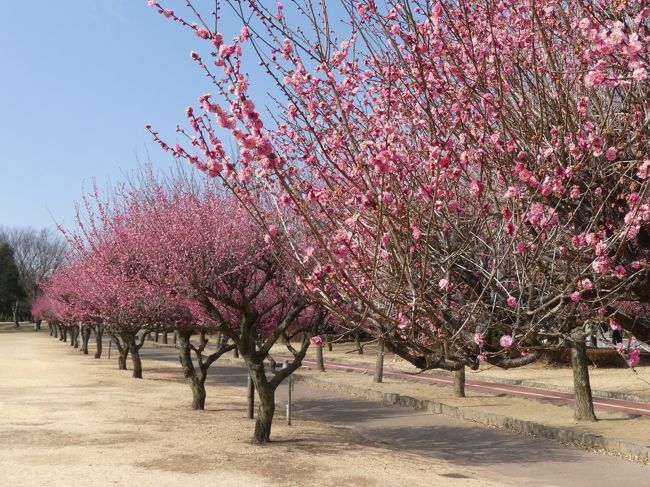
{"x": 78, "y": 81}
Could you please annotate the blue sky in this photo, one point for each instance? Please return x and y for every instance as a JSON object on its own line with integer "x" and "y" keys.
{"x": 79, "y": 80}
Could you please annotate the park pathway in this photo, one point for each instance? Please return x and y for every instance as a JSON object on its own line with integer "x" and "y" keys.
{"x": 555, "y": 397}
{"x": 478, "y": 452}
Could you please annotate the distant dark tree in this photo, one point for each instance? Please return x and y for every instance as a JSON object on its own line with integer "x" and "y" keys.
{"x": 37, "y": 254}
{"x": 11, "y": 290}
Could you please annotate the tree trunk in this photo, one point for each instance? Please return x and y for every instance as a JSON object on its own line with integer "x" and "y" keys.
{"x": 85, "y": 336}
{"x": 64, "y": 334}
{"x": 157, "y": 336}
{"x": 459, "y": 382}
{"x": 265, "y": 412}
{"x": 357, "y": 341}
{"x": 15, "y": 312}
{"x": 379, "y": 364}
{"x": 164, "y": 337}
{"x": 55, "y": 330}
{"x": 584, "y": 404}
{"x": 123, "y": 352}
{"x": 266, "y": 396}
{"x": 135, "y": 355}
{"x": 75, "y": 336}
{"x": 328, "y": 339}
{"x": 50, "y": 328}
{"x": 175, "y": 338}
{"x": 98, "y": 340}
{"x": 235, "y": 352}
{"x": 196, "y": 381}
{"x": 198, "y": 394}
{"x": 320, "y": 362}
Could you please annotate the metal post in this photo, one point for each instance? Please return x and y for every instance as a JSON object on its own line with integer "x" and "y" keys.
{"x": 251, "y": 398}
{"x": 285, "y": 364}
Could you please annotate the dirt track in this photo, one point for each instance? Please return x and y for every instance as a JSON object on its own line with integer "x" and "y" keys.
{"x": 70, "y": 420}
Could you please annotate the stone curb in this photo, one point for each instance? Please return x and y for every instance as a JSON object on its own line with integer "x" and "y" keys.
{"x": 586, "y": 441}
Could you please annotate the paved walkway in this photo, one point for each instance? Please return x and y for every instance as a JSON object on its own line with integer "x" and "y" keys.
{"x": 559, "y": 398}
{"x": 479, "y": 452}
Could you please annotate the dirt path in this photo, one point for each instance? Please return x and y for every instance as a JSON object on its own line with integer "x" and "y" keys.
{"x": 69, "y": 420}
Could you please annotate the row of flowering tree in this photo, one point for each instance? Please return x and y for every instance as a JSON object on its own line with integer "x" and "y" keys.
{"x": 469, "y": 178}
{"x": 168, "y": 253}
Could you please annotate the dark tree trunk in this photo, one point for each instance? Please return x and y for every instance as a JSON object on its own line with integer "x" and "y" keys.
{"x": 328, "y": 339}
{"x": 98, "y": 340}
{"x": 379, "y": 364}
{"x": 584, "y": 404}
{"x": 357, "y": 341}
{"x": 123, "y": 352}
{"x": 235, "y": 352}
{"x": 196, "y": 378}
{"x": 130, "y": 341}
{"x": 459, "y": 382}
{"x": 196, "y": 382}
{"x": 198, "y": 394}
{"x": 64, "y": 334}
{"x": 175, "y": 338}
{"x": 15, "y": 312}
{"x": 320, "y": 362}
{"x": 157, "y": 336}
{"x": 85, "y": 336}
{"x": 164, "y": 337}
{"x": 265, "y": 412}
{"x": 50, "y": 328}
{"x": 55, "y": 330}
{"x": 75, "y": 336}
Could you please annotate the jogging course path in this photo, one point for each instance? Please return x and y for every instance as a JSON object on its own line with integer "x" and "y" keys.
{"x": 478, "y": 452}
{"x": 559, "y": 398}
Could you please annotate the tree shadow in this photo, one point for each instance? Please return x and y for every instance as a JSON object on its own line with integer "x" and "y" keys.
{"x": 455, "y": 441}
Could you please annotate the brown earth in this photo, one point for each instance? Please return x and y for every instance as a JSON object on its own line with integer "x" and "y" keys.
{"x": 68, "y": 419}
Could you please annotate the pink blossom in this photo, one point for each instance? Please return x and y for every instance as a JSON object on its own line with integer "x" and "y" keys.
{"x": 317, "y": 340}
{"x": 506, "y": 341}
{"x": 203, "y": 33}
{"x": 415, "y": 231}
{"x": 512, "y": 301}
{"x": 443, "y": 284}
{"x": 479, "y": 339}
{"x": 611, "y": 154}
{"x": 575, "y": 296}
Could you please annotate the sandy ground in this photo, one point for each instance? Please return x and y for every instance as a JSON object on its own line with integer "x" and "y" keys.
{"x": 623, "y": 380}
{"x": 69, "y": 420}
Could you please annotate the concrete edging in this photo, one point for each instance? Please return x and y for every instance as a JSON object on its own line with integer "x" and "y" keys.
{"x": 587, "y": 441}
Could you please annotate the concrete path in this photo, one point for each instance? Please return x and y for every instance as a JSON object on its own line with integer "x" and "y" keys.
{"x": 478, "y": 452}
{"x": 555, "y": 397}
